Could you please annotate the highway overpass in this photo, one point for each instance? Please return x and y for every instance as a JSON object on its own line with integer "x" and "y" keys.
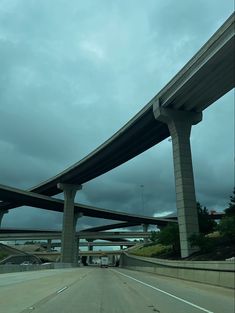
{"x": 172, "y": 112}
{"x": 97, "y": 244}
{"x": 202, "y": 81}
{"x": 9, "y": 235}
{"x": 48, "y": 203}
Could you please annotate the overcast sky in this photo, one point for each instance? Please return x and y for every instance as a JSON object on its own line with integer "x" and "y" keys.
{"x": 74, "y": 72}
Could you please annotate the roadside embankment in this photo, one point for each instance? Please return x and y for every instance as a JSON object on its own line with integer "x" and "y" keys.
{"x": 217, "y": 273}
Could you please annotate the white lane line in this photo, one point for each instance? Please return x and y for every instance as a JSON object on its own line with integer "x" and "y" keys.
{"x": 62, "y": 289}
{"x": 166, "y": 293}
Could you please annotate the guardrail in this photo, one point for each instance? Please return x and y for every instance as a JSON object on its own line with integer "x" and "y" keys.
{"x": 217, "y": 273}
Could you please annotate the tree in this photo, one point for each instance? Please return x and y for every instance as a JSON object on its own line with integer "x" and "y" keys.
{"x": 230, "y": 211}
{"x": 170, "y": 236}
{"x": 226, "y": 226}
{"x": 154, "y": 236}
{"x": 206, "y": 224}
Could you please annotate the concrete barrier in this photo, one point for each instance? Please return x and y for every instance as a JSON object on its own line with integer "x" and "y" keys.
{"x": 11, "y": 268}
{"x": 217, "y": 273}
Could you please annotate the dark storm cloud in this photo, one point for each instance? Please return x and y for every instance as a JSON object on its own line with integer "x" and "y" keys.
{"x": 73, "y": 72}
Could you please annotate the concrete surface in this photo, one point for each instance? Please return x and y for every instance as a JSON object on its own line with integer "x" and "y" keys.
{"x": 110, "y": 290}
{"x": 219, "y": 273}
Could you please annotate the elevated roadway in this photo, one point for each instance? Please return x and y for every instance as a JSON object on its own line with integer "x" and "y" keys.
{"x": 56, "y": 255}
{"x": 203, "y": 80}
{"x": 6, "y": 235}
{"x": 52, "y": 204}
{"x": 97, "y": 244}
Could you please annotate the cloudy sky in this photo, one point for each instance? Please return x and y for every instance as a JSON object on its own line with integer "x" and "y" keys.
{"x": 74, "y": 72}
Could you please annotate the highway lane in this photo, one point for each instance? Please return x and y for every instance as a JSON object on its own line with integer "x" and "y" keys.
{"x": 110, "y": 290}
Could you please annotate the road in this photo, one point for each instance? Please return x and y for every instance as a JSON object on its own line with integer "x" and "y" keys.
{"x": 112, "y": 290}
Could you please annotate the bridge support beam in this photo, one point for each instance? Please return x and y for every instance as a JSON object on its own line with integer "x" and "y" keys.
{"x": 90, "y": 248}
{"x": 2, "y": 213}
{"x": 68, "y": 242}
{"x": 180, "y": 124}
{"x": 49, "y": 245}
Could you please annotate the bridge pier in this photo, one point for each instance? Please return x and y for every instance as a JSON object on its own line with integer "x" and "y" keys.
{"x": 49, "y": 245}
{"x": 90, "y": 248}
{"x": 179, "y": 124}
{"x": 68, "y": 242}
{"x": 2, "y": 213}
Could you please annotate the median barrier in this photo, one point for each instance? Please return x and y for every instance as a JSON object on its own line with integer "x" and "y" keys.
{"x": 11, "y": 268}
{"x": 217, "y": 273}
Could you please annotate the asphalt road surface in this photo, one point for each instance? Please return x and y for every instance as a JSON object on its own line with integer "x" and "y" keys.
{"x": 112, "y": 290}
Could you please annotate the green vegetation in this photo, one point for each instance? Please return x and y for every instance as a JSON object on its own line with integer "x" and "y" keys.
{"x": 152, "y": 250}
{"x": 226, "y": 229}
{"x": 206, "y": 224}
{"x": 215, "y": 241}
{"x": 226, "y": 226}
{"x": 169, "y": 236}
{"x": 3, "y": 255}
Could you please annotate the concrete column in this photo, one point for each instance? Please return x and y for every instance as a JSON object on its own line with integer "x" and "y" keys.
{"x": 179, "y": 124}
{"x": 90, "y": 248}
{"x": 2, "y": 213}
{"x": 68, "y": 242}
{"x": 145, "y": 229}
{"x": 113, "y": 260}
{"x": 49, "y": 245}
{"x": 77, "y": 256}
{"x": 77, "y": 239}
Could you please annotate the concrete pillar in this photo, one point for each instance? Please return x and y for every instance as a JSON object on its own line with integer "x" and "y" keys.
{"x": 77, "y": 256}
{"x": 77, "y": 239}
{"x": 49, "y": 245}
{"x": 2, "y": 213}
{"x": 113, "y": 260}
{"x": 145, "y": 229}
{"x": 90, "y": 248}
{"x": 68, "y": 242}
{"x": 179, "y": 124}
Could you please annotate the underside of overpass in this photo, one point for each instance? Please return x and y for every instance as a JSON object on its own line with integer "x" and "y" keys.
{"x": 172, "y": 112}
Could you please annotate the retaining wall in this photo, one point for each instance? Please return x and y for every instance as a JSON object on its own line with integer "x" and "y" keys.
{"x": 217, "y": 273}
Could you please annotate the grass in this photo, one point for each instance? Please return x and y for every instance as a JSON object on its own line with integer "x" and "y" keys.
{"x": 218, "y": 250}
{"x": 151, "y": 250}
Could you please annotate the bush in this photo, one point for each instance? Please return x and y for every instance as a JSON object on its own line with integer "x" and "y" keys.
{"x": 154, "y": 236}
{"x": 170, "y": 236}
{"x": 3, "y": 255}
{"x": 206, "y": 224}
{"x": 205, "y": 244}
{"x": 226, "y": 227}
